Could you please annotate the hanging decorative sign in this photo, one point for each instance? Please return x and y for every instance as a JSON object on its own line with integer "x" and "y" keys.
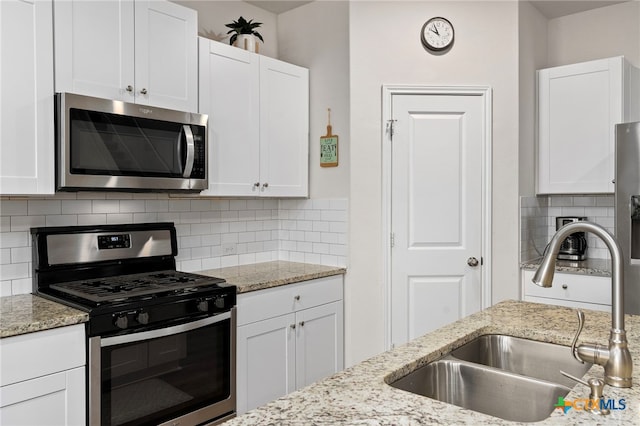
{"x": 329, "y": 147}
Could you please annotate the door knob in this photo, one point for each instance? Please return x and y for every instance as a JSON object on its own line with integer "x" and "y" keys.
{"x": 472, "y": 261}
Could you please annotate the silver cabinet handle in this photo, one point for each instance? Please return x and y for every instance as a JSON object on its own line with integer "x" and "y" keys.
{"x": 265, "y": 185}
{"x": 301, "y": 323}
{"x": 129, "y": 88}
{"x": 564, "y": 286}
{"x": 143, "y": 91}
{"x": 297, "y": 298}
{"x": 473, "y": 262}
{"x": 293, "y": 326}
{"x": 257, "y": 184}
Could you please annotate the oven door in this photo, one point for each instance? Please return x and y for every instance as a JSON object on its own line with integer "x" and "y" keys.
{"x": 184, "y": 372}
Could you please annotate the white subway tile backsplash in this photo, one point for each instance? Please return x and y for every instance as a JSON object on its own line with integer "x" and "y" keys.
{"x": 43, "y": 207}
{"x": 106, "y": 206}
{"x": 14, "y": 239}
{"x": 13, "y": 207}
{"x": 24, "y": 223}
{"x": 263, "y": 229}
{"x": 538, "y": 221}
{"x": 5, "y": 256}
{"x": 77, "y": 207}
{"x": 5, "y": 223}
{"x": 131, "y": 206}
{"x": 61, "y": 220}
{"x": 95, "y": 219}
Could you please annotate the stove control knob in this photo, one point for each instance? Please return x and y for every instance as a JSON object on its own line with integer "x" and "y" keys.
{"x": 121, "y": 321}
{"x": 203, "y": 305}
{"x": 142, "y": 317}
{"x": 219, "y": 302}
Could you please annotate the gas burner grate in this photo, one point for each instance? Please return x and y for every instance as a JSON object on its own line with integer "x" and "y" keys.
{"x": 134, "y": 285}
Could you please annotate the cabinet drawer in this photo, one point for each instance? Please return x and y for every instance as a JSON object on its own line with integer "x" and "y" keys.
{"x": 571, "y": 287}
{"x": 45, "y": 352}
{"x": 271, "y": 302}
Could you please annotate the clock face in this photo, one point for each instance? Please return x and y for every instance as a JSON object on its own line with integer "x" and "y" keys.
{"x": 437, "y": 34}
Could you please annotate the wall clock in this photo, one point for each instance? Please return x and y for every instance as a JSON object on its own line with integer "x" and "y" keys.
{"x": 437, "y": 34}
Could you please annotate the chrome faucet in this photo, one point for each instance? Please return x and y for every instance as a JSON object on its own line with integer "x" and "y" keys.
{"x": 616, "y": 359}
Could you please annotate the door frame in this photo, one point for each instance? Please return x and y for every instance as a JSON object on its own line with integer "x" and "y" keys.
{"x": 388, "y": 91}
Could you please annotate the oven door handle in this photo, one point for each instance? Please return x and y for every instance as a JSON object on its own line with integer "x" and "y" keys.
{"x": 163, "y": 332}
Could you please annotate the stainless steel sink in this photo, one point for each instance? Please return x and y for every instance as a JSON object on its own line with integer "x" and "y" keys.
{"x": 484, "y": 389}
{"x": 503, "y": 376}
{"x": 522, "y": 356}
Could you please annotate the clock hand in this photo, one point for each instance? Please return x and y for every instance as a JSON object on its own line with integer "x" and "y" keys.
{"x": 435, "y": 30}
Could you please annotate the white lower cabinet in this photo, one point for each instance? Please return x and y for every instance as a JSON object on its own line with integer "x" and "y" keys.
{"x": 42, "y": 380}
{"x": 288, "y": 337}
{"x": 571, "y": 290}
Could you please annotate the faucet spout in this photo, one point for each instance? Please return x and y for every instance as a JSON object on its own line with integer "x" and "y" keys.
{"x": 617, "y": 358}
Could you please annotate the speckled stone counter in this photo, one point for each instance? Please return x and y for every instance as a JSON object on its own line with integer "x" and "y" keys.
{"x": 601, "y": 267}
{"x": 360, "y": 395}
{"x": 259, "y": 276}
{"x": 27, "y": 313}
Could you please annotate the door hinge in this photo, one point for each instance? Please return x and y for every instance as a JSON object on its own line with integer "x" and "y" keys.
{"x": 390, "y": 127}
{"x": 393, "y": 239}
{"x": 481, "y": 260}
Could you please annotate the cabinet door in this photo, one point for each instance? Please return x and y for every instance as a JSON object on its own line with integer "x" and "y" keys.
{"x": 229, "y": 95}
{"x": 55, "y": 399}
{"x": 319, "y": 343}
{"x": 26, "y": 84}
{"x": 284, "y": 129}
{"x": 265, "y": 361}
{"x": 94, "y": 48}
{"x": 578, "y": 106}
{"x": 166, "y": 55}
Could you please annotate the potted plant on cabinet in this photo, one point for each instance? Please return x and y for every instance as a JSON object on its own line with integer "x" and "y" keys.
{"x": 244, "y": 34}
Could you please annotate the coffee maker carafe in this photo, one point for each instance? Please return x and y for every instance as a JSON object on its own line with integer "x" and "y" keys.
{"x": 574, "y": 247}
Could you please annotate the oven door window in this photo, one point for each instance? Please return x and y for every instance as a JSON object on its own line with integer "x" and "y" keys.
{"x": 158, "y": 379}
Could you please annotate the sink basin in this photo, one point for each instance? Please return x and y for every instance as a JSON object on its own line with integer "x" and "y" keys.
{"x": 503, "y": 376}
{"x": 484, "y": 389}
{"x": 522, "y": 356}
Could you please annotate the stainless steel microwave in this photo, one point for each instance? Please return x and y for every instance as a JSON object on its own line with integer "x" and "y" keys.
{"x": 112, "y": 145}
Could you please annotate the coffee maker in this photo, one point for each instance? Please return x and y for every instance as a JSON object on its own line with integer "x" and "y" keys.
{"x": 574, "y": 247}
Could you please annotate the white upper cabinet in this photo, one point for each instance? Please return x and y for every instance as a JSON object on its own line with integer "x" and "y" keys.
{"x": 258, "y": 110}
{"x": 26, "y": 84}
{"x": 284, "y": 128}
{"x": 578, "y": 106}
{"x": 138, "y": 51}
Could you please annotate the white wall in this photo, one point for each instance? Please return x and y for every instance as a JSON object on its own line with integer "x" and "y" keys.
{"x": 385, "y": 48}
{"x": 316, "y": 36}
{"x": 532, "y": 56}
{"x": 213, "y": 15}
{"x": 598, "y": 33}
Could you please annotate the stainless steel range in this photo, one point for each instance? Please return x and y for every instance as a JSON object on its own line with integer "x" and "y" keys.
{"x": 160, "y": 342}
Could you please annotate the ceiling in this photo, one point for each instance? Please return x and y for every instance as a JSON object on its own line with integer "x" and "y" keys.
{"x": 549, "y": 8}
{"x": 556, "y": 8}
{"x": 277, "y": 6}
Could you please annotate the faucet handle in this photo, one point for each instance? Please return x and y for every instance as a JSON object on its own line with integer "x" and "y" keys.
{"x": 574, "y": 351}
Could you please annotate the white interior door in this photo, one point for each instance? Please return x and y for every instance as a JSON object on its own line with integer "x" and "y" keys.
{"x": 437, "y": 152}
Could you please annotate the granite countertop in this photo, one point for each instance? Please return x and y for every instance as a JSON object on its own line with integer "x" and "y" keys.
{"x": 27, "y": 313}
{"x": 360, "y": 395}
{"x": 599, "y": 267}
{"x": 258, "y": 276}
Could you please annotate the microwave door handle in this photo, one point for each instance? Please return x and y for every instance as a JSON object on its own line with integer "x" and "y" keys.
{"x": 188, "y": 166}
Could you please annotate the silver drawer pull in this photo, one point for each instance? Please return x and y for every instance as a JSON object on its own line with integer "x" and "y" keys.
{"x": 297, "y": 298}
{"x": 564, "y": 286}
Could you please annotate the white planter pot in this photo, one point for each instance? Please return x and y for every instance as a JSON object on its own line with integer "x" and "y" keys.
{"x": 247, "y": 42}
